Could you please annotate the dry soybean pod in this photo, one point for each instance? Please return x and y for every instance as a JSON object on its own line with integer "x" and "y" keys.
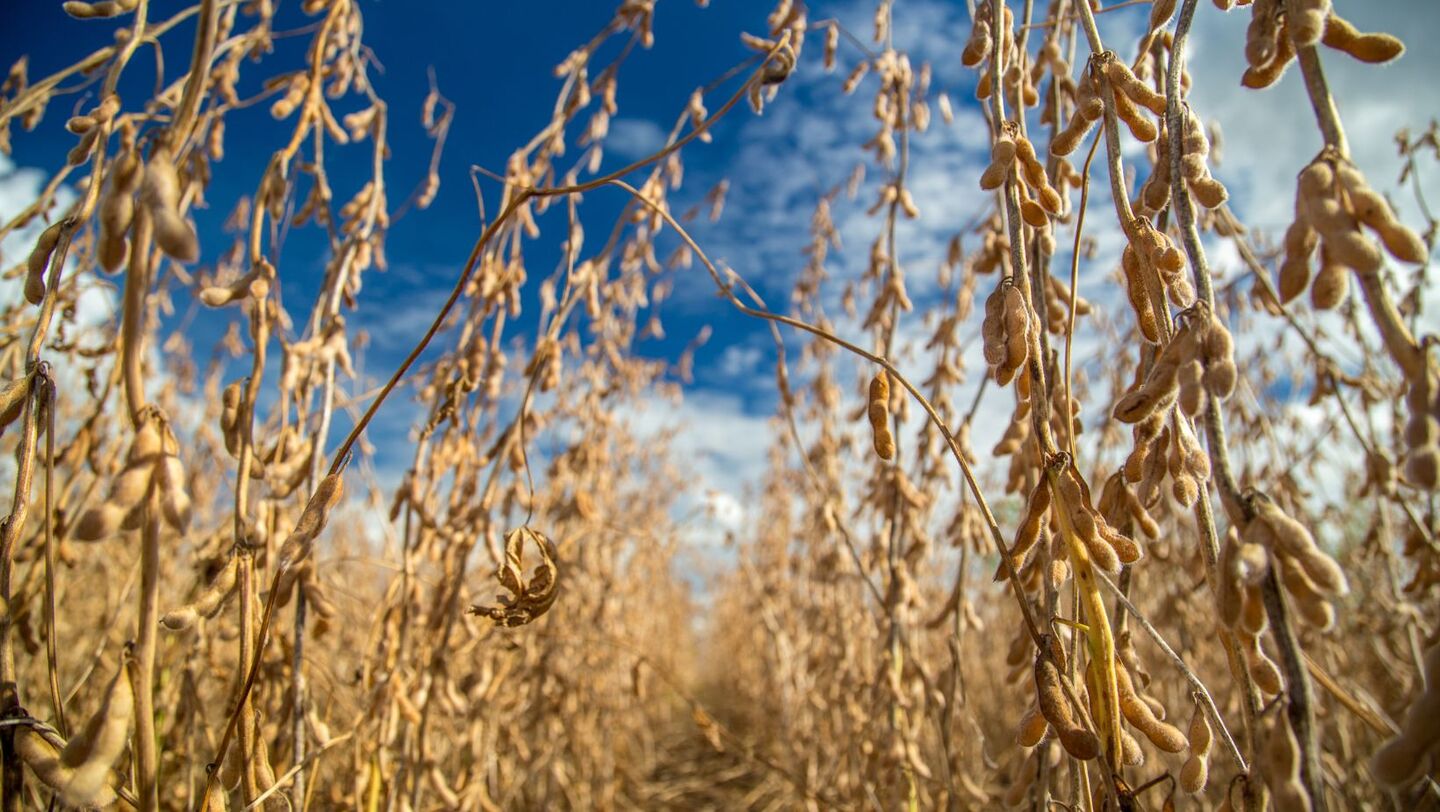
{"x": 1341, "y": 35}
{"x": 39, "y": 261}
{"x": 878, "y": 411}
{"x": 210, "y": 600}
{"x": 1163, "y": 735}
{"x": 92, "y": 753}
{"x": 1055, "y": 707}
{"x": 1099, "y": 637}
{"x": 1401, "y": 759}
{"x": 1196, "y": 772}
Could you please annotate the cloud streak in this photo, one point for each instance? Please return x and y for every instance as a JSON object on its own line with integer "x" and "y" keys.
{"x": 808, "y": 140}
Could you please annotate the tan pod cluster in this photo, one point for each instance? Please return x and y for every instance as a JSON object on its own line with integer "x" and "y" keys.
{"x": 1137, "y": 288}
{"x": 117, "y": 205}
{"x": 1017, "y": 444}
{"x": 1196, "y": 772}
{"x": 1146, "y": 714}
{"x": 1153, "y": 252}
{"x": 982, "y": 39}
{"x": 1415, "y": 750}
{"x": 994, "y": 252}
{"x": 1341, "y": 35}
{"x": 1032, "y": 172}
{"x": 209, "y": 602}
{"x": 1051, "y": 59}
{"x": 1132, "y": 98}
{"x": 1011, "y": 147}
{"x": 1276, "y": 32}
{"x": 1131, "y": 95}
{"x": 1279, "y": 27}
{"x": 152, "y": 465}
{"x": 1056, "y": 710}
{"x": 1194, "y": 167}
{"x": 1243, "y": 566}
{"x": 1269, "y": 49}
{"x": 1184, "y": 460}
{"x": 255, "y": 285}
{"x": 1197, "y": 364}
{"x": 1021, "y": 83}
{"x": 1119, "y": 505}
{"x": 160, "y": 193}
{"x": 1006, "y": 330}
{"x": 305, "y": 360}
{"x": 103, "y": 113}
{"x": 1279, "y": 762}
{"x": 1332, "y": 202}
{"x": 312, "y": 521}
{"x": 286, "y": 465}
{"x": 1088, "y": 109}
{"x": 317, "y": 596}
{"x": 1213, "y": 373}
{"x": 1057, "y": 306}
{"x": 1037, "y": 511}
{"x": 877, "y": 409}
{"x": 82, "y": 771}
{"x": 91, "y": 127}
{"x": 1108, "y": 547}
{"x": 39, "y": 261}
{"x": 99, "y": 10}
{"x": 1309, "y": 574}
{"x": 355, "y": 211}
{"x": 980, "y": 48}
{"x": 296, "y": 86}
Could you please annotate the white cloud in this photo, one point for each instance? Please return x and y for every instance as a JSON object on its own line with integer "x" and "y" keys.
{"x": 725, "y": 509}
{"x": 808, "y": 140}
{"x": 721, "y": 447}
{"x": 742, "y": 362}
{"x": 19, "y": 186}
{"x": 633, "y": 138}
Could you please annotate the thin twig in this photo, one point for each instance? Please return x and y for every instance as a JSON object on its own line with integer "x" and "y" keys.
{"x": 1190, "y": 676}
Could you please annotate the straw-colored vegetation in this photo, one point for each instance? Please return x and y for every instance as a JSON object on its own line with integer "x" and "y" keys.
{"x": 209, "y": 601}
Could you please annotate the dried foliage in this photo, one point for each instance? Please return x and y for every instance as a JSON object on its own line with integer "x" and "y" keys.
{"x": 201, "y": 565}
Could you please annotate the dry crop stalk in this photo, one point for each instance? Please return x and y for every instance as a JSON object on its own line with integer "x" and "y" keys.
{"x": 406, "y": 754}
{"x": 1065, "y": 486}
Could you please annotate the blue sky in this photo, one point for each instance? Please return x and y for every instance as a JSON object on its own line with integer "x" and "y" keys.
{"x": 495, "y": 61}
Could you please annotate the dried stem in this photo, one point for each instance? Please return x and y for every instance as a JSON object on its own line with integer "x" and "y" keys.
{"x": 147, "y": 756}
{"x": 1221, "y": 471}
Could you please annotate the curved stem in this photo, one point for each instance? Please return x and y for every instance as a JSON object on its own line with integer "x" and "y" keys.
{"x": 1221, "y": 470}
{"x": 11, "y": 774}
